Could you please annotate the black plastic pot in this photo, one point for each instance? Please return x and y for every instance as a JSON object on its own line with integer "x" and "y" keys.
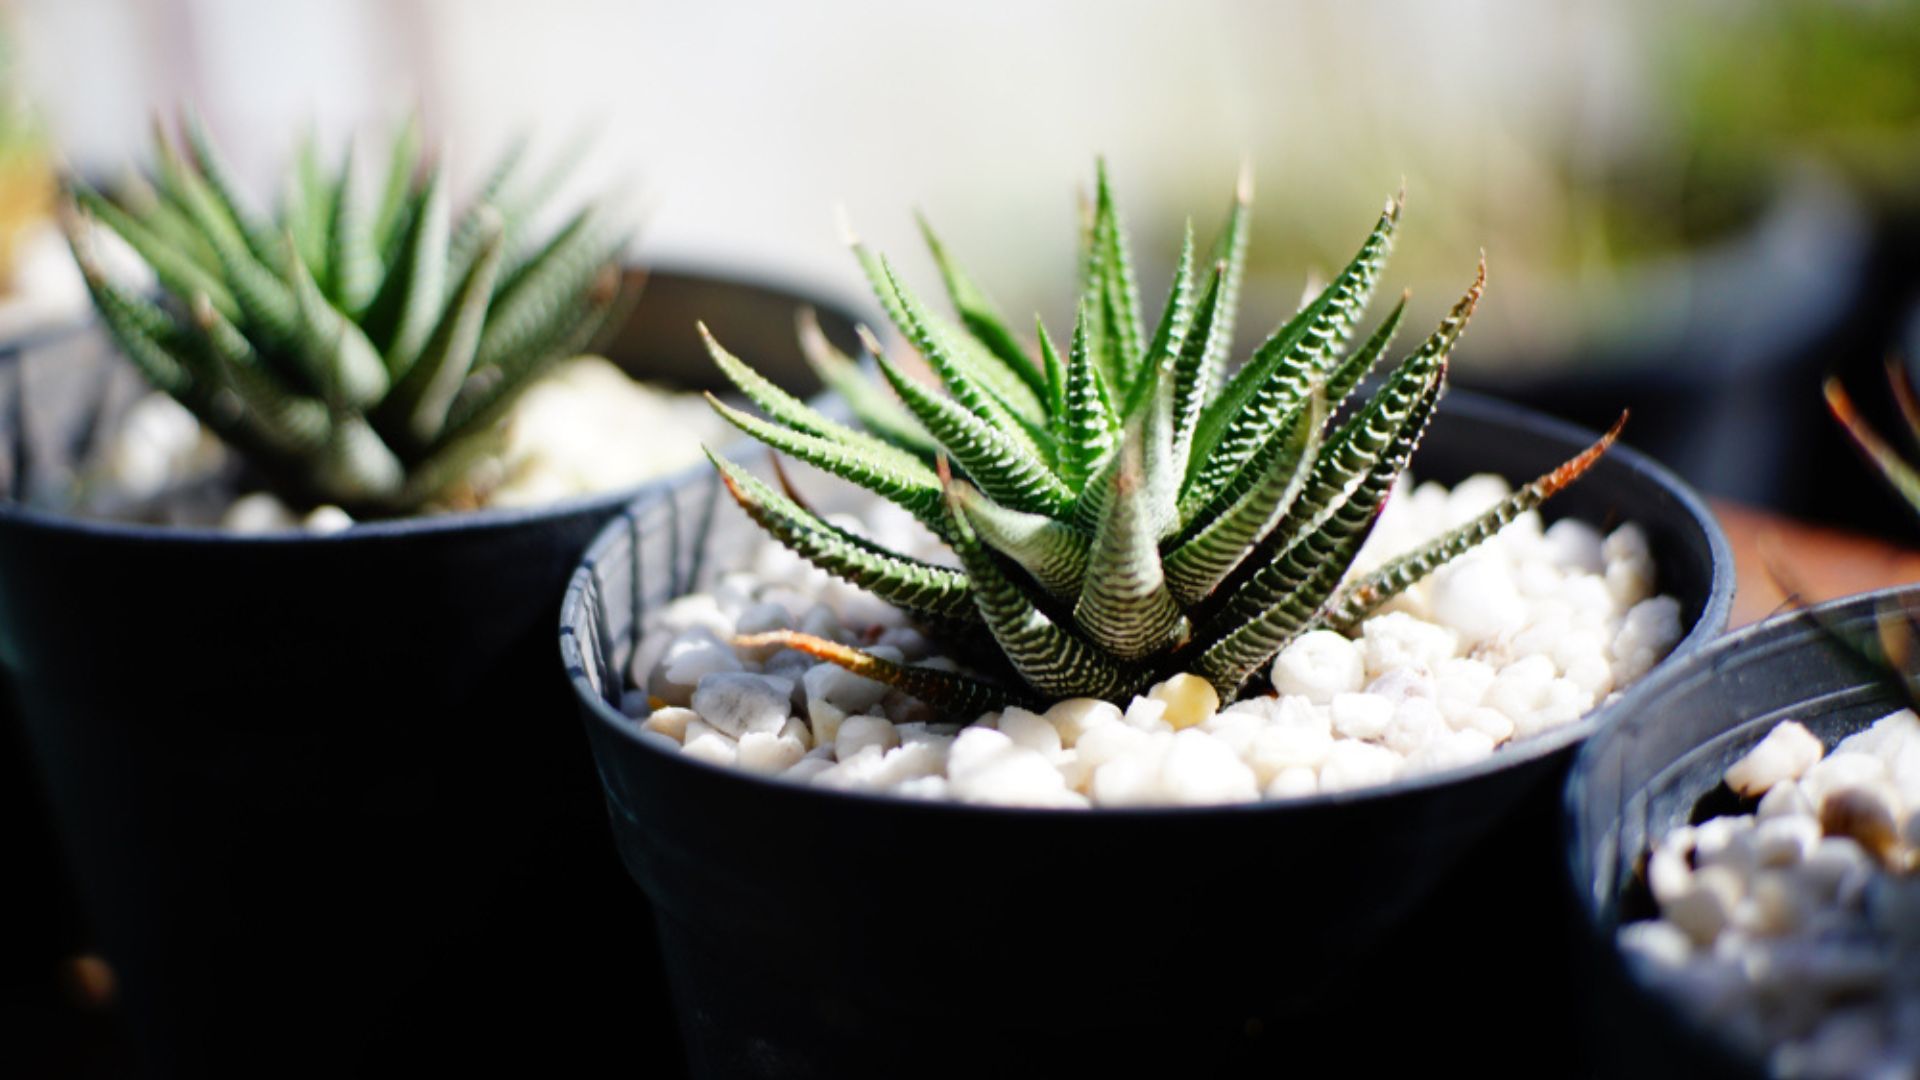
{"x": 814, "y": 933}
{"x": 1661, "y": 765}
{"x": 314, "y": 790}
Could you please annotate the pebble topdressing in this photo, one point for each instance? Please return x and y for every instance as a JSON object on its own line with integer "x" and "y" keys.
{"x": 1796, "y": 928}
{"x": 1526, "y": 633}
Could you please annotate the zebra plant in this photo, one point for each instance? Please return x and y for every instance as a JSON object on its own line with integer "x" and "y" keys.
{"x": 360, "y": 347}
{"x": 1122, "y": 510}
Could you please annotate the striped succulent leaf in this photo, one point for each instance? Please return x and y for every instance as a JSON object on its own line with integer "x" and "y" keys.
{"x": 1122, "y": 511}
{"x": 360, "y": 345}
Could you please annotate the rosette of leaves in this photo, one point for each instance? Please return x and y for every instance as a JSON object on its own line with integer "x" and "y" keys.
{"x": 1124, "y": 508}
{"x": 360, "y": 345}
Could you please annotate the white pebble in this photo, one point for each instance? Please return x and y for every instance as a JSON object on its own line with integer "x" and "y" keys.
{"x": 1521, "y": 687}
{"x": 697, "y": 610}
{"x": 930, "y": 788}
{"x": 690, "y": 656}
{"x": 1200, "y": 770}
{"x": 1292, "y": 783}
{"x": 1450, "y": 750}
{"x": 1492, "y": 723}
{"x": 824, "y": 721}
{"x": 1108, "y": 742}
{"x": 737, "y": 702}
{"x": 671, "y": 722}
{"x": 1362, "y": 716}
{"x": 1353, "y": 764}
{"x": 1476, "y": 596}
{"x": 1396, "y": 640}
{"x": 1591, "y": 674}
{"x": 857, "y": 733}
{"x": 1072, "y": 717}
{"x": 1416, "y": 722}
{"x": 1784, "y": 841}
{"x": 808, "y": 767}
{"x": 706, "y": 743}
{"x": 258, "y": 512}
{"x": 1842, "y": 769}
{"x": 1670, "y": 867}
{"x": 1630, "y": 570}
{"x": 1127, "y": 781}
{"x": 764, "y": 753}
{"x": 1785, "y": 798}
{"x": 1705, "y": 906}
{"x": 911, "y": 761}
{"x": 1147, "y": 714}
{"x": 1030, "y": 730}
{"x": 1649, "y": 632}
{"x": 1786, "y": 753}
{"x": 1461, "y": 684}
{"x": 1575, "y": 545}
{"x": 1296, "y": 737}
{"x": 1317, "y": 665}
{"x": 326, "y": 520}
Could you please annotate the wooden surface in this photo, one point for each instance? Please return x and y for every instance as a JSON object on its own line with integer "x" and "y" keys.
{"x": 1822, "y": 563}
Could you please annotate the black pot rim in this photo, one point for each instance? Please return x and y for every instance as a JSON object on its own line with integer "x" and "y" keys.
{"x": 1719, "y": 602}
{"x": 372, "y": 532}
{"x": 1801, "y": 622}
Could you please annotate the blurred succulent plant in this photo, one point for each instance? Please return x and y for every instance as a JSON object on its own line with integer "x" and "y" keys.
{"x": 1125, "y": 510}
{"x": 1900, "y": 474}
{"x": 360, "y": 347}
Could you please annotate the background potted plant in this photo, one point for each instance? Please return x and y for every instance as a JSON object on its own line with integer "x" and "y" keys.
{"x": 265, "y": 750}
{"x": 1679, "y": 759}
{"x": 1723, "y": 964}
{"x": 779, "y": 964}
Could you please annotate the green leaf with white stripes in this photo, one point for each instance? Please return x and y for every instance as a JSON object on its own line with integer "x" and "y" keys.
{"x": 1054, "y": 553}
{"x": 1052, "y": 659}
{"x": 910, "y": 485}
{"x": 996, "y": 461}
{"x": 1299, "y": 355}
{"x": 910, "y": 584}
{"x": 875, "y": 407}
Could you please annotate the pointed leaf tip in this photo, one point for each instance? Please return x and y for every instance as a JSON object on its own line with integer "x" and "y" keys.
{"x": 1557, "y": 480}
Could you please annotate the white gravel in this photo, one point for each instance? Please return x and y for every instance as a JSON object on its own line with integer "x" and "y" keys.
{"x": 1525, "y": 634}
{"x": 1797, "y": 928}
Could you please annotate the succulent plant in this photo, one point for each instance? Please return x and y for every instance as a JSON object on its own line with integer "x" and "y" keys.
{"x": 1899, "y": 473}
{"x": 360, "y": 347}
{"x": 1125, "y": 509}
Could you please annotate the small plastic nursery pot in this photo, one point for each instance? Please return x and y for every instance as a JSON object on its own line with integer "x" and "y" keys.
{"x": 311, "y": 787}
{"x": 1661, "y": 765}
{"x": 815, "y": 933}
